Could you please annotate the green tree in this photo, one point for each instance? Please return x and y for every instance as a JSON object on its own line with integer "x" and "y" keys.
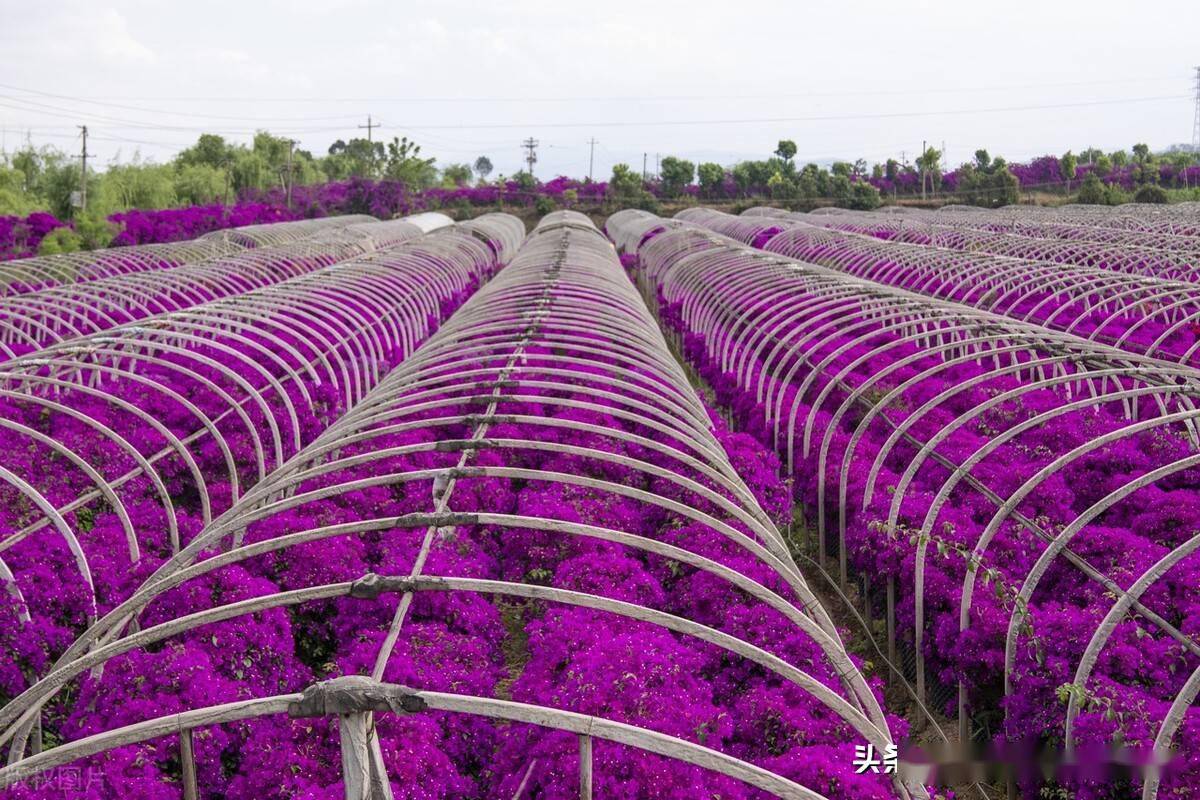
{"x": 357, "y": 158}
{"x": 273, "y": 149}
{"x": 782, "y": 187}
{"x": 624, "y": 183}
{"x": 677, "y": 174}
{"x": 983, "y": 160}
{"x": 13, "y": 198}
{"x": 1006, "y": 188}
{"x": 1067, "y": 167}
{"x": 197, "y": 184}
{"x": 135, "y": 184}
{"x": 456, "y": 175}
{"x": 483, "y": 167}
{"x": 814, "y": 182}
{"x": 1119, "y": 158}
{"x": 1103, "y": 165}
{"x": 250, "y": 170}
{"x": 786, "y": 150}
{"x": 842, "y": 169}
{"x": 864, "y": 196}
{"x": 627, "y": 189}
{"x": 209, "y": 150}
{"x": 991, "y": 187}
{"x": 752, "y": 176}
{"x": 858, "y": 195}
{"x": 1091, "y": 191}
{"x": 404, "y": 163}
{"x": 929, "y": 165}
{"x": 710, "y": 176}
{"x": 49, "y": 178}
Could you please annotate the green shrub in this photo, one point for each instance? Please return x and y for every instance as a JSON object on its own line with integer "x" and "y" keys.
{"x": 59, "y": 240}
{"x": 1091, "y": 191}
{"x": 1150, "y": 194}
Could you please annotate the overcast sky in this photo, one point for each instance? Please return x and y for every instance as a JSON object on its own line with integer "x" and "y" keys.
{"x": 707, "y": 81}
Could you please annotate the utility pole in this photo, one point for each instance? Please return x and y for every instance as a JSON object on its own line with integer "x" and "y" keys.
{"x": 643, "y": 167}
{"x": 1196, "y": 123}
{"x": 591, "y": 156}
{"x": 530, "y": 145}
{"x": 923, "y": 151}
{"x": 83, "y": 155}
{"x": 943, "y": 166}
{"x": 370, "y": 126}
{"x": 657, "y": 165}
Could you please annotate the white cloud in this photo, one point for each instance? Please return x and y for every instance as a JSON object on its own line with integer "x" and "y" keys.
{"x": 113, "y": 39}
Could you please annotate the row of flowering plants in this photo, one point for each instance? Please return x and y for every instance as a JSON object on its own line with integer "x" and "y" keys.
{"x": 20, "y": 237}
{"x": 1154, "y": 316}
{"x": 531, "y": 562}
{"x": 1029, "y": 497}
{"x": 1155, "y": 255}
{"x": 1073, "y": 235}
{"x": 119, "y": 447}
{"x": 144, "y": 287}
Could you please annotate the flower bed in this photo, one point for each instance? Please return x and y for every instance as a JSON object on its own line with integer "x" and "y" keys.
{"x": 941, "y": 449}
{"x": 547, "y": 520}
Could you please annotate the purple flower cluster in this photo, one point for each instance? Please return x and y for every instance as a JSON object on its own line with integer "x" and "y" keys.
{"x": 139, "y": 226}
{"x": 382, "y": 199}
{"x": 544, "y": 442}
{"x": 178, "y": 420}
{"x": 1144, "y": 314}
{"x": 20, "y": 236}
{"x": 873, "y": 398}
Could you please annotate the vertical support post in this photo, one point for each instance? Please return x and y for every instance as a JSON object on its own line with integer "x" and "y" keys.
{"x": 964, "y": 728}
{"x": 919, "y": 655}
{"x": 356, "y": 762}
{"x": 866, "y": 579}
{"x": 380, "y": 788}
{"x": 187, "y": 763}
{"x": 891, "y": 618}
{"x": 842, "y": 548}
{"x": 585, "y": 767}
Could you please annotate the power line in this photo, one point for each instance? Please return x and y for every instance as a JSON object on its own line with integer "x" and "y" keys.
{"x": 817, "y": 118}
{"x": 142, "y": 109}
{"x": 618, "y": 98}
{"x": 657, "y": 123}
